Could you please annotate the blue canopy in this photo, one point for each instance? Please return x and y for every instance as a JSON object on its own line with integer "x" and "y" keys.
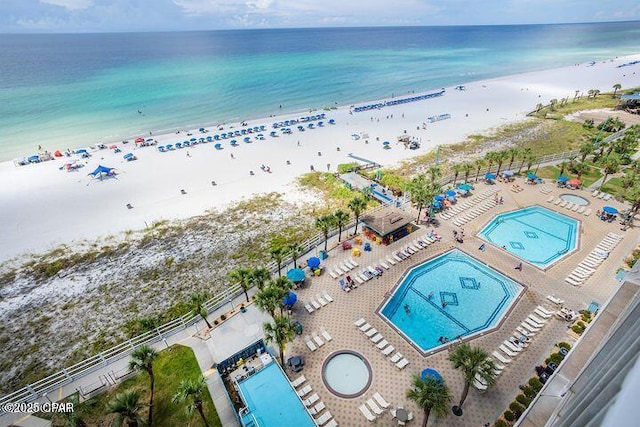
{"x": 465, "y": 187}
{"x": 490, "y": 176}
{"x": 290, "y": 299}
{"x": 429, "y": 372}
{"x": 438, "y": 197}
{"x": 507, "y": 173}
{"x": 610, "y": 210}
{"x": 450, "y": 193}
{"x": 532, "y": 175}
{"x": 296, "y": 275}
{"x": 81, "y": 151}
{"x": 128, "y": 156}
{"x": 201, "y": 129}
{"x": 562, "y": 178}
{"x": 34, "y": 159}
{"x": 313, "y": 262}
{"x": 101, "y": 170}
{"x": 218, "y": 146}
{"x": 386, "y": 143}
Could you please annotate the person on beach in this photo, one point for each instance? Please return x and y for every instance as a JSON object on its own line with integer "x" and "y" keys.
{"x": 232, "y": 156}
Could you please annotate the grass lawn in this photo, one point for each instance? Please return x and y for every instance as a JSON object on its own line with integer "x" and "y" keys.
{"x": 613, "y": 186}
{"x": 172, "y": 366}
{"x": 552, "y": 172}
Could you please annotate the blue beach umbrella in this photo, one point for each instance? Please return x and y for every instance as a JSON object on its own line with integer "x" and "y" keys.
{"x": 296, "y": 275}
{"x": 450, "y": 193}
{"x": 532, "y": 175}
{"x": 209, "y": 138}
{"x": 429, "y": 372}
{"x": 128, "y": 156}
{"x": 313, "y": 262}
{"x": 193, "y": 140}
{"x": 610, "y": 210}
{"x": 438, "y": 198}
{"x": 465, "y": 187}
{"x": 218, "y": 146}
{"x": 247, "y": 139}
{"x": 290, "y": 299}
{"x": 201, "y": 129}
{"x": 386, "y": 143}
{"x": 562, "y": 178}
{"x": 490, "y": 176}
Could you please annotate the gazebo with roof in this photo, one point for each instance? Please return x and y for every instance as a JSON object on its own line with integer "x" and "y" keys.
{"x": 388, "y": 224}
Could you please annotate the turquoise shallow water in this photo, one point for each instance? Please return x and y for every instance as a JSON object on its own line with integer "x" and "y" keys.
{"x": 67, "y": 90}
{"x": 476, "y": 298}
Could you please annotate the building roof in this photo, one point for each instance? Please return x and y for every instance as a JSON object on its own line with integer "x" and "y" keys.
{"x": 387, "y": 220}
{"x": 628, "y": 97}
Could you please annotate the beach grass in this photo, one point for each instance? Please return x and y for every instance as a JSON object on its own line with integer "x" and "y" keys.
{"x": 331, "y": 189}
{"x": 571, "y": 105}
{"x": 613, "y": 186}
{"x": 553, "y": 172}
{"x": 173, "y": 365}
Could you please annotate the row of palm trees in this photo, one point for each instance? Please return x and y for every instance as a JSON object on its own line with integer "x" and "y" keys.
{"x": 340, "y": 218}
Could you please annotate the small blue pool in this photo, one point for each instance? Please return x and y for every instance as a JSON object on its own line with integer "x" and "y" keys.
{"x": 452, "y": 295}
{"x": 537, "y": 235}
{"x": 272, "y": 401}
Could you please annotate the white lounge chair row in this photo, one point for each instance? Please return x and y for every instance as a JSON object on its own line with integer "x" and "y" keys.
{"x": 314, "y": 341}
{"x": 513, "y": 346}
{"x": 414, "y": 247}
{"x": 569, "y": 206}
{"x": 474, "y": 213}
{"x": 382, "y": 344}
{"x": 480, "y": 384}
{"x": 601, "y": 195}
{"x": 469, "y": 203}
{"x": 588, "y": 266}
{"x": 342, "y": 268}
{"x": 374, "y": 407}
{"x": 319, "y": 302}
{"x": 313, "y": 404}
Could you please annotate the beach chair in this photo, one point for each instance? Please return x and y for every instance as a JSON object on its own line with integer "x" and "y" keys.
{"x": 324, "y": 418}
{"x": 331, "y": 423}
{"x": 325, "y": 334}
{"x": 349, "y": 264}
{"x": 332, "y": 274}
{"x": 479, "y": 383}
{"x": 380, "y": 400}
{"x": 365, "y": 327}
{"x": 395, "y": 358}
{"x": 595, "y": 193}
{"x": 576, "y": 207}
{"x": 587, "y": 212}
{"x": 309, "y": 308}
{"x": 327, "y": 296}
{"x": 321, "y": 300}
{"x": 550, "y": 199}
{"x": 529, "y": 328}
{"x": 383, "y": 264}
{"x": 555, "y": 299}
{"x": 374, "y": 407}
{"x": 544, "y": 309}
{"x": 558, "y": 201}
{"x": 360, "y": 322}
{"x": 541, "y": 313}
{"x": 391, "y": 261}
{"x": 537, "y": 319}
{"x": 607, "y": 197}
{"x": 310, "y": 345}
{"x": 317, "y": 339}
{"x": 506, "y": 351}
{"x": 298, "y": 381}
{"x": 376, "y": 338}
{"x": 387, "y": 351}
{"x": 371, "y": 332}
{"x": 402, "y": 363}
{"x": 501, "y": 358}
{"x": 601, "y": 195}
{"x": 315, "y": 304}
{"x": 533, "y": 324}
{"x": 359, "y": 279}
{"x": 317, "y": 408}
{"x": 353, "y": 261}
{"x": 382, "y": 344}
{"x": 305, "y": 390}
{"x": 581, "y": 209}
{"x": 345, "y": 267}
{"x": 572, "y": 281}
{"x": 367, "y": 413}
{"x": 522, "y": 331}
{"x": 311, "y": 400}
{"x": 511, "y": 346}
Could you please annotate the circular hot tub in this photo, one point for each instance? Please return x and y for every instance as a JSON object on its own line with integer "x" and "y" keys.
{"x": 346, "y": 374}
{"x": 576, "y": 200}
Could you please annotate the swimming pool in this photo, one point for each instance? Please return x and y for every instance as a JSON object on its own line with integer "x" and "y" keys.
{"x": 449, "y": 296}
{"x": 535, "y": 234}
{"x": 272, "y": 401}
{"x": 577, "y": 200}
{"x": 346, "y": 374}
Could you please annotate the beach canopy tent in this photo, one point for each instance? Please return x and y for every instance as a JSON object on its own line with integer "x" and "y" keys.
{"x": 438, "y": 198}
{"x": 450, "y": 193}
{"x": 34, "y": 159}
{"x": 532, "y": 176}
{"x": 508, "y": 173}
{"x": 101, "y": 171}
{"x": 610, "y": 210}
{"x": 574, "y": 182}
{"x": 465, "y": 187}
{"x": 218, "y": 146}
{"x": 296, "y": 275}
{"x": 431, "y": 373}
{"x": 81, "y": 151}
{"x": 387, "y": 225}
{"x": 562, "y": 178}
{"x": 313, "y": 262}
{"x": 490, "y": 176}
{"x": 57, "y": 153}
{"x": 139, "y": 140}
{"x": 129, "y": 156}
{"x": 289, "y": 299}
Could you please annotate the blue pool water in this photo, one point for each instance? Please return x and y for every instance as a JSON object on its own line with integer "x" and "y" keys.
{"x": 271, "y": 399}
{"x": 476, "y": 298}
{"x": 537, "y": 235}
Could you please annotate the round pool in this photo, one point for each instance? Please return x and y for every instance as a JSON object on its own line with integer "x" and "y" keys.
{"x": 346, "y": 374}
{"x": 576, "y": 200}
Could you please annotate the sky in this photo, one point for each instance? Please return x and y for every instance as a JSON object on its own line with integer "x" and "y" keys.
{"x": 82, "y": 16}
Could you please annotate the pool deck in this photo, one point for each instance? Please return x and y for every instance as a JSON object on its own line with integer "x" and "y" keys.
{"x": 338, "y": 317}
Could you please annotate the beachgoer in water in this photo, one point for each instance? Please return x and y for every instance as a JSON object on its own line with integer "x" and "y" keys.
{"x": 430, "y": 294}
{"x": 444, "y": 304}
{"x": 407, "y": 309}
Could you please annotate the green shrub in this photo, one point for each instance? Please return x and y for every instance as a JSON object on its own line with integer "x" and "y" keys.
{"x": 523, "y": 400}
{"x": 529, "y": 391}
{"x": 535, "y": 383}
{"x": 516, "y": 408}
{"x": 564, "y": 345}
{"x": 577, "y": 329}
{"x": 555, "y": 358}
{"x": 347, "y": 167}
{"x": 509, "y": 416}
{"x": 500, "y": 423}
{"x": 223, "y": 317}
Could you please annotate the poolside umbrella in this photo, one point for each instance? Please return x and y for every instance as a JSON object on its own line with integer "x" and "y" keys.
{"x": 429, "y": 372}
{"x": 128, "y": 156}
{"x": 531, "y": 175}
{"x": 562, "y": 178}
{"x": 289, "y": 299}
{"x": 386, "y": 143}
{"x": 201, "y": 129}
{"x": 218, "y": 146}
{"x": 465, "y": 187}
{"x": 490, "y": 176}
{"x": 296, "y": 275}
{"x": 438, "y": 198}
{"x": 610, "y": 210}
{"x": 507, "y": 173}
{"x": 193, "y": 140}
{"x": 450, "y": 193}
{"x": 313, "y": 262}
{"x": 575, "y": 182}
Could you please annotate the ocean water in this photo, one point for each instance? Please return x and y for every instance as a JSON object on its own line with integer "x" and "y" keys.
{"x": 72, "y": 90}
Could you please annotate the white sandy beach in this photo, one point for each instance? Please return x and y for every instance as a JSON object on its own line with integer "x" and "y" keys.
{"x": 43, "y": 206}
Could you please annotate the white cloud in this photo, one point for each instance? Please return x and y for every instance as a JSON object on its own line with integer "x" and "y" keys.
{"x": 71, "y": 5}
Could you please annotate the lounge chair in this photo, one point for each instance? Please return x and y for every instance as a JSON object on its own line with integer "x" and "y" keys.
{"x": 374, "y": 407}
{"x": 387, "y": 351}
{"x": 555, "y": 299}
{"x": 395, "y": 358}
{"x": 479, "y": 383}
{"x": 331, "y": 423}
{"x": 327, "y": 296}
{"x": 558, "y": 201}
{"x": 332, "y": 274}
{"x": 376, "y": 338}
{"x": 537, "y": 319}
{"x": 581, "y": 209}
{"x": 391, "y": 261}
{"x": 595, "y": 193}
{"x": 309, "y": 308}
{"x": 550, "y": 199}
{"x": 371, "y": 332}
{"x": 402, "y": 363}
{"x": 523, "y": 331}
{"x": 365, "y": 327}
{"x": 310, "y": 344}
{"x": 587, "y": 212}
{"x": 367, "y": 413}
{"x": 317, "y": 409}
{"x": 544, "y": 309}
{"x": 382, "y": 344}
{"x": 345, "y": 267}
{"x": 533, "y": 324}
{"x": 311, "y": 400}
{"x": 501, "y": 358}
{"x": 359, "y": 279}
{"x": 324, "y": 418}
{"x": 506, "y": 351}
{"x": 378, "y": 398}
{"x": 315, "y": 304}
{"x": 305, "y": 390}
{"x": 321, "y": 300}
{"x": 298, "y": 381}
{"x": 325, "y": 334}
{"x": 360, "y": 322}
{"x": 529, "y": 328}
{"x": 572, "y": 281}
{"x": 511, "y": 346}
{"x": 383, "y": 264}
{"x": 541, "y": 313}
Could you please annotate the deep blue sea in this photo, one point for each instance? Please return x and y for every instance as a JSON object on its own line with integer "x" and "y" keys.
{"x": 72, "y": 90}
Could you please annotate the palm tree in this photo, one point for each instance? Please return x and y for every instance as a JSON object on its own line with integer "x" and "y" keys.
{"x": 611, "y": 165}
{"x": 432, "y": 395}
{"x": 73, "y": 418}
{"x": 490, "y": 159}
{"x": 632, "y": 194}
{"x": 467, "y": 168}
{"x": 434, "y": 173}
{"x": 341, "y": 219}
{"x": 242, "y": 276}
{"x": 563, "y": 167}
{"x": 259, "y": 276}
{"x": 456, "y": 169}
{"x": 616, "y": 88}
{"x": 479, "y": 164}
{"x": 196, "y": 302}
{"x": 191, "y": 392}
{"x": 596, "y": 92}
{"x": 523, "y": 157}
{"x": 268, "y": 299}
{"x": 539, "y": 107}
{"x": 142, "y": 360}
{"x": 580, "y": 169}
{"x": 277, "y": 254}
{"x": 585, "y": 149}
{"x": 280, "y": 332}
{"x": 501, "y": 156}
{"x": 513, "y": 153}
{"x": 552, "y": 104}
{"x": 531, "y": 159}
{"x": 472, "y": 361}
{"x": 127, "y": 407}
{"x": 294, "y": 249}
{"x": 357, "y": 206}
{"x": 325, "y": 223}
{"x": 417, "y": 188}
